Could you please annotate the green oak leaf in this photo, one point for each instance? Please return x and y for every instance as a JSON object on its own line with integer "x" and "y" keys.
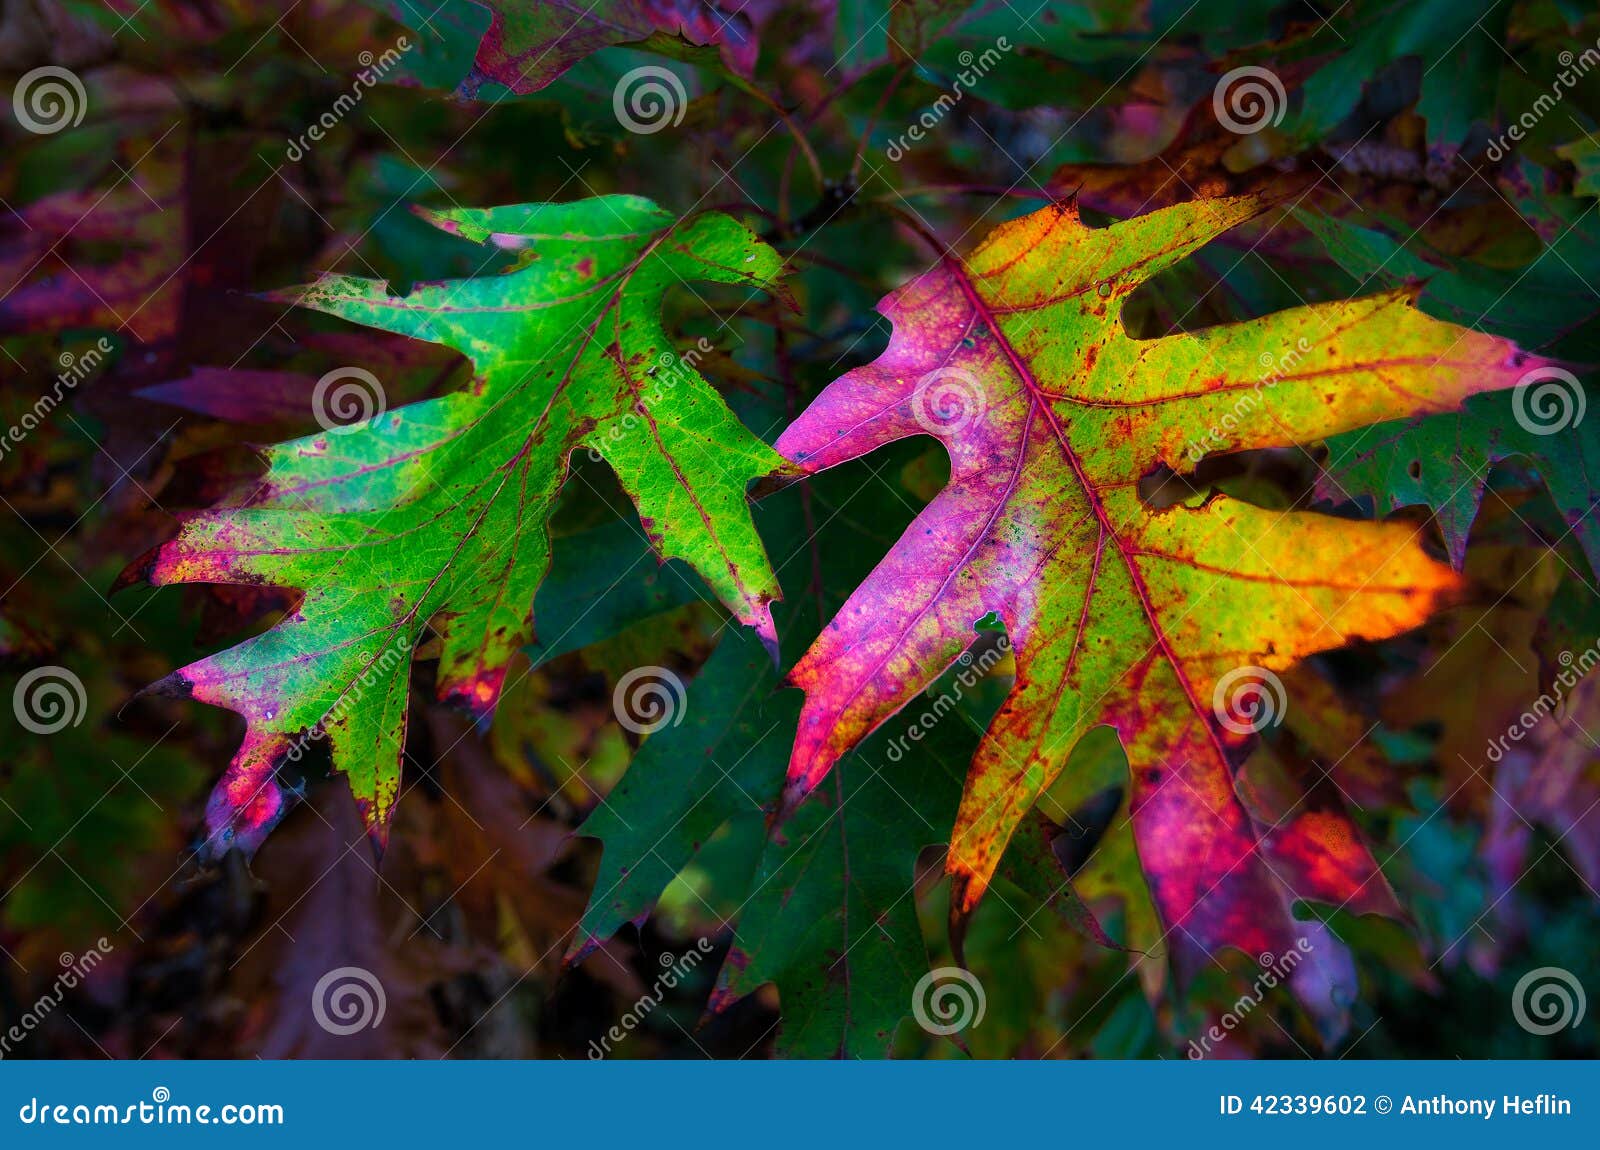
{"x": 431, "y": 520}
{"x": 1456, "y": 42}
{"x": 603, "y": 581}
{"x": 829, "y": 913}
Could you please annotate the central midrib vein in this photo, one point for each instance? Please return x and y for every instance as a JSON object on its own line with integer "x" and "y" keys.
{"x": 1025, "y": 374}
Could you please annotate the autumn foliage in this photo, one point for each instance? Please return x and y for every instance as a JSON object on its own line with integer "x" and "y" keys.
{"x": 700, "y": 528}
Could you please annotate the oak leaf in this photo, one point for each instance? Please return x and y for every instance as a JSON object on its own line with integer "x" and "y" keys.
{"x": 430, "y": 520}
{"x": 1167, "y": 625}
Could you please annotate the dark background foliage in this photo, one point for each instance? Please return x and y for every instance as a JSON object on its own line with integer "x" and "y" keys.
{"x": 189, "y": 187}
